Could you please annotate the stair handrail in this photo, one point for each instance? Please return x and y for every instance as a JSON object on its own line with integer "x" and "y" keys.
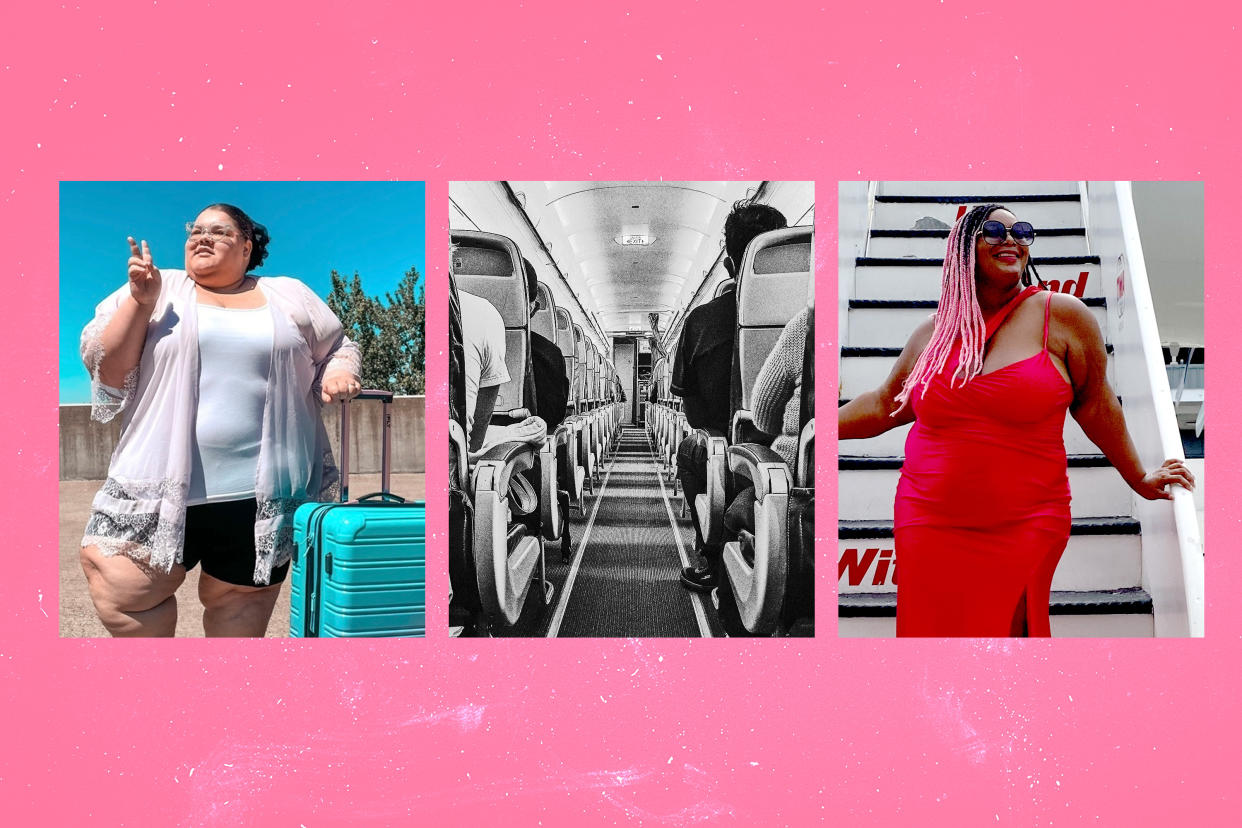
{"x": 1185, "y": 520}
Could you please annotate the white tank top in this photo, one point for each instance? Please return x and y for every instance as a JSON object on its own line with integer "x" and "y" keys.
{"x": 235, "y": 356}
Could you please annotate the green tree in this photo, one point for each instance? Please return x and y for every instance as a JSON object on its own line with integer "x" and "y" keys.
{"x": 402, "y": 334}
{"x": 389, "y": 333}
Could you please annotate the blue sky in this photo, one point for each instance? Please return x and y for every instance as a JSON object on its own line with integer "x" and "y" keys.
{"x": 373, "y": 227}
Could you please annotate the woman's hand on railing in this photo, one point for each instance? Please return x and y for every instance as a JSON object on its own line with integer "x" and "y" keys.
{"x": 1156, "y": 484}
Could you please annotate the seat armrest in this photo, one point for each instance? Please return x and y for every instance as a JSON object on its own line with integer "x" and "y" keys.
{"x": 494, "y": 469}
{"x": 765, "y": 468}
{"x": 549, "y": 503}
{"x": 805, "y": 475}
{"x": 711, "y": 505}
{"x": 741, "y": 419}
{"x": 457, "y": 439}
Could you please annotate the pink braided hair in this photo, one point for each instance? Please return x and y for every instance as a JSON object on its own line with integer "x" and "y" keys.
{"x": 958, "y": 314}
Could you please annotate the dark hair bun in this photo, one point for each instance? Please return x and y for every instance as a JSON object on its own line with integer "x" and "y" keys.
{"x": 258, "y": 251}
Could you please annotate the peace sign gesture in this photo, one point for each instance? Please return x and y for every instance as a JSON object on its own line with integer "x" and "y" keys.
{"x": 144, "y": 276}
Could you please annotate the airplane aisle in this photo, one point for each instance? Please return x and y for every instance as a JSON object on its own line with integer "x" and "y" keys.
{"x": 625, "y": 581}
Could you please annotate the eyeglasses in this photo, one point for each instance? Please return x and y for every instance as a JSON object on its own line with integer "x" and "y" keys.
{"x": 214, "y": 233}
{"x": 994, "y": 232}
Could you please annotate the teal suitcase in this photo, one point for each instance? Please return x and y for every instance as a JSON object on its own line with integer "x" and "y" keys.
{"x": 359, "y": 568}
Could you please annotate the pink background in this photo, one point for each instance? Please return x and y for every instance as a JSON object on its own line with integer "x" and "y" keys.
{"x": 657, "y": 732}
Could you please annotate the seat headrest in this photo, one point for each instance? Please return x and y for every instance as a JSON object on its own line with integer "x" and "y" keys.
{"x": 565, "y": 333}
{"x": 490, "y": 267}
{"x": 543, "y": 321}
{"x": 776, "y": 274}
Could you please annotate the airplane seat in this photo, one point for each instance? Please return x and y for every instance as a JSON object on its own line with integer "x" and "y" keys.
{"x": 586, "y": 458}
{"x": 573, "y": 473}
{"x": 507, "y": 555}
{"x": 554, "y": 472}
{"x": 464, "y": 606}
{"x": 592, "y": 392}
{"x": 766, "y": 571}
{"x": 798, "y": 612}
{"x": 654, "y": 408}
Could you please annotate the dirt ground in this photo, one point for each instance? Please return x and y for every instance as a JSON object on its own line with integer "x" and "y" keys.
{"x": 77, "y": 614}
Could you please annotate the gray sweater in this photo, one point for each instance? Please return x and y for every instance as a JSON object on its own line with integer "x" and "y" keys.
{"x": 777, "y": 393}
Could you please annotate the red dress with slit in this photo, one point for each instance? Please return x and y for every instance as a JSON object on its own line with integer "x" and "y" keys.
{"x": 982, "y": 513}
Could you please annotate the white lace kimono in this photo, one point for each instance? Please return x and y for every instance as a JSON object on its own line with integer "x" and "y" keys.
{"x": 140, "y": 511}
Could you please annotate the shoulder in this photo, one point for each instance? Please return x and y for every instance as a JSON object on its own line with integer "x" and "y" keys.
{"x": 479, "y": 309}
{"x": 293, "y": 291}
{"x": 546, "y": 347}
{"x": 709, "y": 312}
{"x": 482, "y": 325}
{"x": 284, "y": 285}
{"x": 1071, "y": 313}
{"x": 922, "y": 334}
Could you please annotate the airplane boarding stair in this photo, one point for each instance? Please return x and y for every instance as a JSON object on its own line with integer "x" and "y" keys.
{"x": 1131, "y": 568}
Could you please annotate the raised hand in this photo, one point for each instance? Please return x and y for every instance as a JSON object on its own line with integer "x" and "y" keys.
{"x": 144, "y": 276}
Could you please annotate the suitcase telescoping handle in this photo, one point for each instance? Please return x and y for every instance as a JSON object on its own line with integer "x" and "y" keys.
{"x": 386, "y": 451}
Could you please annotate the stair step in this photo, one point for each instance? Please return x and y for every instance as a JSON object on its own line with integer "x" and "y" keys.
{"x": 978, "y": 198}
{"x": 1121, "y": 613}
{"x": 926, "y": 244}
{"x": 886, "y": 322}
{"x": 1063, "y": 626}
{"x": 867, "y": 492}
{"x": 895, "y": 278}
{"x": 938, "y": 261}
{"x": 1095, "y": 602}
{"x": 892, "y": 443}
{"x": 990, "y": 189}
{"x": 913, "y": 212}
{"x": 864, "y": 368}
{"x": 1102, "y": 554}
{"x": 932, "y": 304}
{"x": 1110, "y": 525}
{"x": 853, "y": 462}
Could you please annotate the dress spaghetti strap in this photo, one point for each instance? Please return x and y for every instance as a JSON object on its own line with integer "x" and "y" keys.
{"x": 998, "y": 318}
{"x": 1047, "y": 316}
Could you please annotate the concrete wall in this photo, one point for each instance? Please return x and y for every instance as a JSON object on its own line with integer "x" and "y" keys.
{"x": 86, "y": 447}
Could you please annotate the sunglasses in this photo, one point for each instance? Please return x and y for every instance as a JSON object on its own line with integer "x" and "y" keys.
{"x": 994, "y": 232}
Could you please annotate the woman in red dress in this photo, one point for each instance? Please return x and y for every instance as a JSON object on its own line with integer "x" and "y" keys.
{"x": 982, "y": 513}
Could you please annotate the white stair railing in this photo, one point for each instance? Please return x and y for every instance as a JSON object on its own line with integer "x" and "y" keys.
{"x": 1172, "y": 545}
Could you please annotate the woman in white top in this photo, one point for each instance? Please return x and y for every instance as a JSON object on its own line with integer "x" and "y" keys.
{"x": 219, "y": 378}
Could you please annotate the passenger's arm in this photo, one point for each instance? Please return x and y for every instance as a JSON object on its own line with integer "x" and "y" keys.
{"x": 874, "y": 412}
{"x": 1095, "y": 404}
{"x": 493, "y": 371}
{"x": 774, "y": 387}
{"x": 484, "y": 404}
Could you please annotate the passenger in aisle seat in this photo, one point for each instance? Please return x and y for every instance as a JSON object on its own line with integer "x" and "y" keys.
{"x": 547, "y": 363}
{"x": 483, "y": 333}
{"x": 702, "y": 377}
